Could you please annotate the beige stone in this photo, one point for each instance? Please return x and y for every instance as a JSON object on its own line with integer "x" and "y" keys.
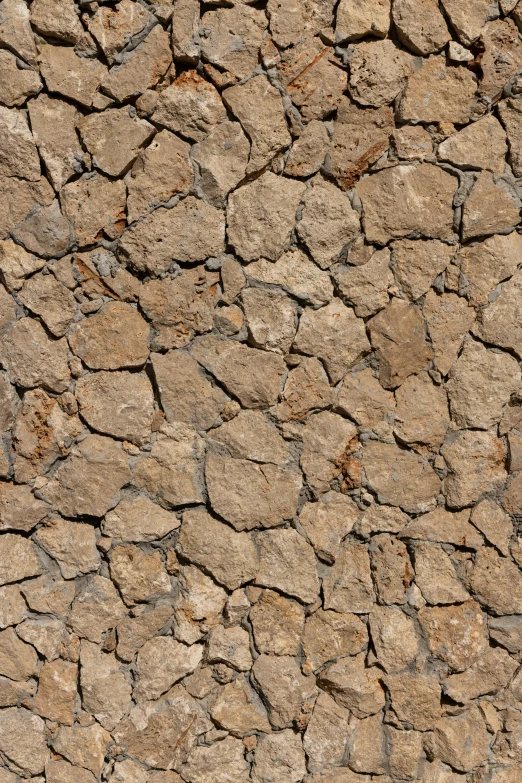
{"x": 114, "y": 337}
{"x": 56, "y": 695}
{"x": 367, "y": 286}
{"x": 45, "y": 296}
{"x": 279, "y": 754}
{"x": 139, "y": 577}
{"x": 232, "y": 38}
{"x": 45, "y": 231}
{"x": 394, "y": 638}
{"x": 501, "y": 58}
{"x": 18, "y": 558}
{"x": 419, "y": 262}
{"x": 270, "y": 317}
{"x": 96, "y": 608}
{"x": 198, "y": 607}
{"x": 494, "y": 524}
{"x": 284, "y": 689}
{"x": 308, "y": 151}
{"x": 16, "y": 264}
{"x": 18, "y": 660}
{"x": 481, "y": 145}
{"x": 62, "y": 771}
{"x": 99, "y": 130}
{"x": 250, "y": 436}
{"x": 72, "y": 544}
{"x": 391, "y": 569}
{"x": 354, "y": 686}
{"x": 105, "y": 690}
{"x": 503, "y": 213}
{"x": 400, "y": 477}
{"x": 47, "y": 594}
{"x": 413, "y": 142}
{"x": 134, "y": 632}
{"x": 379, "y": 70}
{"x": 509, "y": 110}
{"x": 15, "y": 30}
{"x": 456, "y": 634}
{"x": 443, "y": 526}
{"x": 19, "y": 509}
{"x": 363, "y": 399}
{"x": 494, "y": 581}
{"x": 448, "y": 318}
{"x": 487, "y": 674}
{"x": 113, "y": 27}
{"x": 327, "y": 522}
{"x": 185, "y": 31}
{"x": 485, "y": 264}
{"x": 13, "y": 608}
{"x": 16, "y": 85}
{"x": 19, "y": 155}
{"x": 94, "y": 205}
{"x": 306, "y": 388}
{"x": 435, "y": 575}
{"x": 222, "y": 159}
{"x": 348, "y": 585}
{"x": 327, "y": 224}
{"x": 21, "y": 196}
{"x": 327, "y": 732}
{"x": 415, "y": 698}
{"x": 56, "y": 20}
{"x": 11, "y": 694}
{"x": 230, "y": 646}
{"x": 46, "y": 634}
{"x": 355, "y": 21}
{"x": 238, "y": 709}
{"x": 421, "y": 416}
{"x": 31, "y": 359}
{"x": 139, "y": 520}
{"x": 295, "y": 273}
{"x": 277, "y": 624}
{"x": 190, "y": 106}
{"x": 381, "y": 519}
{"x": 278, "y": 549}
{"x": 421, "y": 27}
{"x": 475, "y": 463}
{"x": 327, "y": 440}
{"x": 498, "y": 323}
{"x": 438, "y": 93}
{"x": 83, "y": 746}
{"x": 147, "y": 63}
{"x": 468, "y": 20}
{"x": 224, "y": 761}
{"x": 462, "y": 741}
{"x": 161, "y": 663}
{"x": 69, "y": 75}
{"x": 330, "y": 635}
{"x": 22, "y": 737}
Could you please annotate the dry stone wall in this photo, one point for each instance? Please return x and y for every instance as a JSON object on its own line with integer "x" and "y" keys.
{"x": 260, "y": 391}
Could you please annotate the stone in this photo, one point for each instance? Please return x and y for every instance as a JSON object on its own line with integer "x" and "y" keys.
{"x": 399, "y": 477}
{"x": 381, "y": 519}
{"x": 231, "y": 38}
{"x": 330, "y": 635}
{"x": 456, "y": 634}
{"x": 422, "y": 28}
{"x": 327, "y": 441}
{"x": 185, "y": 31}
{"x": 485, "y": 264}
{"x": 19, "y": 155}
{"x": 15, "y": 30}
{"x": 230, "y": 557}
{"x": 494, "y": 524}
{"x": 448, "y": 318}
{"x": 278, "y": 549}
{"x": 18, "y": 660}
{"x": 13, "y": 608}
{"x": 147, "y": 63}
{"x": 327, "y": 224}
{"x": 296, "y": 274}
{"x": 230, "y": 646}
{"x": 421, "y": 416}
{"x": 88, "y": 482}
{"x": 250, "y": 436}
{"x": 238, "y": 709}
{"x": 367, "y": 286}
{"x": 8, "y": 308}
{"x": 47, "y": 594}
{"x": 98, "y": 131}
{"x": 16, "y": 84}
{"x": 394, "y": 638}
{"x": 62, "y": 771}
{"x": 413, "y": 142}
{"x": 494, "y": 582}
{"x": 270, "y": 318}
{"x": 190, "y": 106}
{"x": 497, "y": 323}
{"x": 444, "y": 527}
{"x": 367, "y": 745}
{"x": 22, "y": 739}
{"x": 45, "y": 296}
{"x": 56, "y": 20}
{"x": 46, "y": 634}
{"x": 94, "y": 205}
{"x": 419, "y": 262}
{"x": 468, "y": 20}
{"x": 160, "y": 171}
{"x": 45, "y": 231}
{"x": 379, "y": 70}
{"x": 487, "y": 674}
{"x": 119, "y": 404}
{"x": 113, "y": 27}
{"x": 348, "y": 585}
{"x": 67, "y": 74}
{"x": 355, "y": 21}
{"x": 481, "y": 145}
{"x": 328, "y": 522}
{"x": 224, "y": 760}
{"x": 259, "y": 108}
{"x": 505, "y": 214}
{"x": 11, "y": 694}
{"x": 362, "y": 398}
{"x": 277, "y": 624}
{"x": 327, "y": 732}
{"x": 415, "y": 698}
{"x": 19, "y": 509}
{"x": 56, "y": 695}
{"x": 22, "y": 196}
{"x": 190, "y": 231}
{"x": 222, "y": 159}
{"x": 139, "y": 519}
{"x": 198, "y": 607}
{"x": 279, "y": 754}
{"x": 72, "y": 544}
{"x": 462, "y": 740}
{"x": 261, "y": 216}
{"x": 306, "y": 388}
{"x": 284, "y": 689}
{"x": 16, "y": 264}
{"x": 308, "y": 151}
{"x": 83, "y": 746}
{"x": 354, "y": 686}
{"x": 425, "y": 204}
{"x": 115, "y": 337}
{"x": 509, "y": 110}
{"x": 333, "y": 334}
{"x": 134, "y": 632}
{"x": 507, "y": 631}
{"x": 161, "y": 663}
{"x": 435, "y": 575}
{"x": 439, "y": 92}
{"x": 391, "y": 569}
{"x": 96, "y": 608}
{"x": 501, "y": 58}
{"x": 475, "y": 463}
{"x": 18, "y": 558}
{"x": 139, "y": 577}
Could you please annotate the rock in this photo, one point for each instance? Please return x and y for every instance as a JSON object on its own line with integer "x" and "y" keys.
{"x": 400, "y": 477}
{"x": 190, "y": 231}
{"x": 325, "y": 738}
{"x": 261, "y": 216}
{"x": 94, "y": 205}
{"x": 98, "y": 131}
{"x": 435, "y": 575}
{"x": 147, "y": 63}
{"x": 161, "y": 663}
{"x": 327, "y": 522}
{"x": 481, "y": 145}
{"x": 328, "y": 222}
{"x": 363, "y": 399}
{"x": 56, "y": 694}
{"x": 296, "y": 274}
{"x": 415, "y": 698}
{"x": 280, "y": 754}
{"x": 231, "y": 38}
{"x": 230, "y": 557}
{"x": 56, "y": 20}
{"x": 119, "y": 404}
{"x": 444, "y": 527}
{"x": 22, "y": 196}
{"x": 230, "y": 646}
{"x": 284, "y": 689}
{"x": 105, "y": 690}
{"x": 354, "y": 21}
{"x": 509, "y": 110}
{"x": 250, "y": 436}
{"x": 421, "y": 416}
{"x": 413, "y": 142}
{"x": 46, "y": 634}
{"x": 327, "y": 441}
{"x": 475, "y": 463}
{"x": 487, "y": 263}
{"x": 379, "y": 70}
{"x": 139, "y": 577}
{"x": 488, "y": 674}
{"x": 422, "y": 28}
{"x": 394, "y": 638}
{"x": 278, "y": 549}
{"x": 277, "y": 624}
{"x": 354, "y": 686}
{"x": 494, "y": 582}
{"x": 88, "y": 482}
{"x": 334, "y": 334}
{"x": 222, "y": 158}
{"x": 18, "y": 559}
{"x": 18, "y": 660}
{"x": 72, "y": 544}
{"x": 20, "y": 158}
{"x": 224, "y": 761}
{"x": 468, "y": 20}
{"x": 16, "y": 264}
{"x": 61, "y": 772}
{"x": 425, "y": 204}
{"x": 113, "y": 27}
{"x": 313, "y": 77}
{"x": 190, "y": 106}
{"x": 67, "y": 74}
{"x": 270, "y": 318}
{"x": 306, "y": 388}
{"x": 462, "y": 741}
{"x": 45, "y": 296}
{"x": 367, "y": 745}
{"x": 13, "y": 607}
{"x": 367, "y": 286}
{"x": 19, "y": 509}
{"x": 139, "y": 520}
{"x": 419, "y": 262}
{"x": 308, "y": 151}
{"x": 160, "y": 171}
{"x": 185, "y": 31}
{"x": 15, "y": 30}
{"x": 96, "y": 608}
{"x": 505, "y": 214}
{"x": 456, "y": 634}
{"x": 507, "y": 631}
{"x": 134, "y": 632}
{"x": 47, "y": 594}
{"x": 494, "y": 524}
{"x": 438, "y": 92}
{"x": 493, "y": 321}
{"x": 22, "y": 739}
{"x": 360, "y": 137}
{"x": 114, "y": 337}
{"x": 83, "y": 746}
{"x": 348, "y": 585}
{"x": 329, "y": 636}
{"x": 16, "y": 85}
{"x": 381, "y": 519}
{"x": 198, "y": 607}
{"x": 501, "y": 57}
{"x": 259, "y": 108}
{"x": 238, "y": 709}
{"x": 391, "y": 569}
{"x": 45, "y": 231}
{"x": 448, "y": 318}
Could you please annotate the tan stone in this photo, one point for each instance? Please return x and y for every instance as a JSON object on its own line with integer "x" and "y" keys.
{"x": 507, "y": 632}
{"x": 329, "y": 636}
{"x": 230, "y": 646}
{"x": 259, "y": 108}
{"x": 250, "y": 436}
{"x": 139, "y": 577}
{"x": 277, "y": 624}
{"x": 439, "y": 93}
{"x": 363, "y": 399}
{"x": 435, "y": 575}
{"x": 367, "y": 286}
{"x": 420, "y": 27}
{"x": 56, "y": 694}
{"x": 306, "y": 388}
{"x": 13, "y": 608}
{"x": 45, "y": 231}
{"x": 494, "y": 524}
{"x": 116, "y": 336}
{"x": 22, "y": 738}
{"x": 379, "y": 70}
{"x": 47, "y": 594}
{"x": 295, "y": 273}
{"x": 367, "y": 745}
{"x": 421, "y": 416}
{"x": 105, "y": 689}
{"x": 15, "y": 30}
{"x": 161, "y": 663}
{"x": 327, "y": 522}
{"x": 98, "y": 131}
{"x": 18, "y": 660}
{"x": 18, "y": 558}
{"x": 413, "y": 142}
{"x": 72, "y": 544}
{"x": 462, "y": 741}
{"x": 96, "y": 608}
{"x": 45, "y": 296}
{"x": 469, "y": 19}
{"x": 16, "y": 85}
{"x": 354, "y": 686}
{"x": 46, "y": 634}
{"x": 185, "y": 31}
{"x": 232, "y": 38}
{"x": 134, "y": 632}
{"x": 503, "y": 212}
{"x": 11, "y": 694}
{"x": 485, "y": 264}
{"x": 62, "y": 772}
{"x": 394, "y": 638}
{"x": 278, "y": 549}
{"x": 456, "y": 634}
{"x": 509, "y": 110}
{"x": 448, "y": 318}
{"x": 415, "y": 698}
{"x": 113, "y": 27}
{"x": 327, "y": 732}
{"x": 270, "y": 318}
{"x": 400, "y": 477}
{"x": 487, "y": 674}
{"x": 475, "y": 462}
{"x": 19, "y": 509}
{"x": 327, "y": 224}
{"x": 308, "y": 151}
{"x": 224, "y": 761}
{"x": 498, "y": 323}
{"x": 190, "y": 106}
{"x": 139, "y": 520}
{"x": 16, "y": 264}
{"x": 19, "y": 156}
{"x": 481, "y": 145}
{"x": 355, "y": 21}
{"x": 238, "y": 709}
{"x": 444, "y": 527}
{"x": 83, "y": 746}
{"x": 501, "y": 58}
{"x": 495, "y": 582}
{"x": 68, "y": 74}
{"x": 21, "y": 196}
{"x": 56, "y": 20}
{"x": 381, "y": 519}
{"x": 391, "y": 569}
{"x": 284, "y": 689}
{"x": 348, "y": 585}
{"x": 419, "y": 262}
{"x": 222, "y": 159}
{"x": 198, "y": 607}
{"x": 94, "y": 205}
{"x": 147, "y": 63}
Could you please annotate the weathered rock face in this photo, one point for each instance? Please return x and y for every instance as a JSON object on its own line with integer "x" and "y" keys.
{"x": 260, "y": 393}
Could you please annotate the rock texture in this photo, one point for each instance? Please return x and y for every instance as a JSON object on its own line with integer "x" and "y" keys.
{"x": 260, "y": 391}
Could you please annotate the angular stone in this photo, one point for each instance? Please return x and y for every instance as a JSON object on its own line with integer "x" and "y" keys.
{"x": 72, "y": 544}
{"x": 113, "y": 27}
{"x": 421, "y": 27}
{"x": 45, "y": 231}
{"x": 381, "y": 519}
{"x": 105, "y": 690}
{"x": 355, "y": 21}
{"x": 98, "y": 131}
{"x": 435, "y": 575}
{"x": 327, "y": 440}
{"x": 379, "y": 70}
{"x": 46, "y": 634}
{"x": 48, "y": 594}
{"x": 114, "y": 337}
{"x": 485, "y": 264}
{"x": 19, "y": 156}
{"x": 198, "y": 607}
{"x": 21, "y": 196}
{"x": 62, "y": 771}
{"x": 329, "y": 636}
{"x": 139, "y": 520}
{"x": 230, "y": 646}
{"x": 495, "y": 581}
{"x": 394, "y": 638}
{"x": 18, "y": 660}
{"x": 15, "y": 30}
{"x": 295, "y": 273}
{"x": 16, "y": 264}
{"x": 481, "y": 145}
{"x": 444, "y": 527}
{"x": 498, "y": 323}
{"x": 11, "y": 694}
{"x": 278, "y": 549}
{"x": 270, "y": 318}
{"x": 96, "y": 608}
{"x": 507, "y": 631}
{"x": 462, "y": 740}
{"x": 161, "y": 663}
{"x": 285, "y": 690}
{"x": 494, "y": 524}
{"x": 354, "y": 686}
{"x": 419, "y": 262}
{"x": 18, "y": 559}
{"x": 23, "y": 740}
{"x": 231, "y": 38}
{"x": 475, "y": 463}
{"x": 367, "y": 286}
{"x": 224, "y": 761}
{"x": 327, "y": 224}
{"x": 222, "y": 159}
{"x": 501, "y": 58}
{"x": 425, "y": 204}
{"x": 400, "y": 477}
{"x": 279, "y": 754}
{"x": 13, "y": 608}
{"x": 190, "y": 106}
{"x": 456, "y": 634}
{"x": 487, "y": 674}
{"x": 238, "y": 709}
{"x": 421, "y": 416}
{"x": 190, "y": 231}
{"x": 94, "y": 205}
{"x": 134, "y": 632}
{"x": 277, "y": 624}
{"x": 367, "y": 745}
{"x": 467, "y": 19}
{"x": 362, "y": 398}
{"x": 45, "y": 296}
{"x": 448, "y": 318}
{"x": 143, "y": 69}
{"x": 348, "y": 586}
{"x": 308, "y": 151}
{"x": 509, "y": 111}
{"x": 439, "y": 92}
{"x": 68, "y": 74}
{"x": 19, "y": 509}
{"x": 327, "y": 732}
{"x": 259, "y": 108}
{"x": 415, "y": 698}
{"x": 83, "y": 746}
{"x": 306, "y": 388}
{"x": 139, "y": 577}
{"x": 56, "y": 696}
{"x": 327, "y": 522}
{"x": 413, "y": 142}
{"x": 56, "y": 20}
{"x": 250, "y": 436}
{"x": 503, "y": 213}
{"x": 185, "y": 31}
{"x": 391, "y": 569}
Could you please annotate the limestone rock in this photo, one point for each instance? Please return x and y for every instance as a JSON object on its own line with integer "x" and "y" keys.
{"x": 415, "y": 698}
{"x": 509, "y": 110}
{"x": 421, "y": 416}
{"x": 278, "y": 549}
{"x": 231, "y": 38}
{"x": 367, "y": 286}
{"x": 114, "y": 337}
{"x": 15, "y": 30}
{"x": 330, "y": 635}
{"x": 83, "y": 746}
{"x": 308, "y": 151}
{"x": 421, "y": 27}
{"x": 45, "y": 296}
{"x": 250, "y": 436}
{"x": 198, "y": 607}
{"x": 139, "y": 520}
{"x": 230, "y": 646}
{"x": 443, "y": 526}
{"x": 439, "y": 92}
{"x": 498, "y": 323}
{"x": 134, "y": 632}
{"x": 222, "y": 158}
{"x": 494, "y": 582}
{"x": 475, "y": 462}
{"x": 462, "y": 741}
{"x": 13, "y": 607}
{"x": 47, "y": 594}
{"x": 19, "y": 157}
{"x": 391, "y": 569}
{"x": 326, "y": 735}
{"x": 435, "y": 575}
{"x": 354, "y": 686}
{"x": 481, "y": 145}
{"x": 505, "y": 211}
{"x": 394, "y": 638}
{"x": 72, "y": 544}
{"x": 279, "y": 754}
{"x": 296, "y": 274}
{"x": 237, "y": 709}
{"x": 418, "y": 262}
{"x": 494, "y": 524}
{"x": 45, "y": 231}
{"x": 19, "y": 509}
{"x": 94, "y": 205}
{"x": 306, "y": 388}
{"x": 56, "y": 695}
{"x": 448, "y": 318}
{"x": 379, "y": 71}
{"x": 17, "y": 659}
{"x": 501, "y": 58}
{"x": 224, "y": 761}
{"x": 327, "y": 522}
{"x": 348, "y": 586}
{"x": 456, "y": 634}
{"x": 468, "y": 20}
{"x": 147, "y": 63}
{"x": 18, "y": 558}
{"x": 363, "y": 399}
{"x": 190, "y": 106}
{"x": 96, "y": 608}
{"x": 161, "y": 663}
{"x": 400, "y": 477}
{"x": 413, "y": 142}
{"x": 270, "y": 318}
{"x": 285, "y": 690}
{"x": 113, "y": 27}
{"x": 61, "y": 771}
{"x": 23, "y": 741}
{"x": 485, "y": 264}
{"x": 185, "y": 31}
{"x": 98, "y": 131}
{"x": 507, "y": 631}
{"x": 381, "y": 519}
{"x": 67, "y": 74}
{"x": 277, "y": 624}
{"x": 488, "y": 674}
{"x": 56, "y": 20}
{"x": 355, "y": 21}
{"x": 17, "y": 264}
{"x": 22, "y": 196}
